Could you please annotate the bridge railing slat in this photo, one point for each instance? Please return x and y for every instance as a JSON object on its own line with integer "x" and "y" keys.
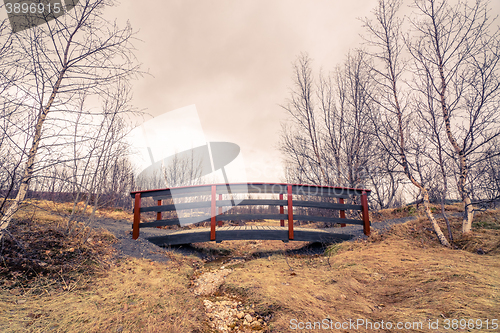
{"x": 252, "y": 188}
{"x": 212, "y": 212}
{"x": 219, "y": 203}
{"x": 210, "y": 191}
{"x": 232, "y": 217}
{"x": 249, "y": 202}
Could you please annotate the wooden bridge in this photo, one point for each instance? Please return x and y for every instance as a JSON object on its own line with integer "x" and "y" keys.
{"x": 211, "y": 197}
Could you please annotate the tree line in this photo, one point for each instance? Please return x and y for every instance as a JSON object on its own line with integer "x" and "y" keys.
{"x": 64, "y": 105}
{"x": 411, "y": 112}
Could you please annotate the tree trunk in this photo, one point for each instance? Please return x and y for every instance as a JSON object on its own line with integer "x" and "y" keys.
{"x": 28, "y": 171}
{"x": 448, "y": 226}
{"x": 468, "y": 216}
{"x": 468, "y": 211}
{"x": 431, "y": 218}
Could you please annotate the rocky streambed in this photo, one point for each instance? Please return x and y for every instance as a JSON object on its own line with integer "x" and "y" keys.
{"x": 226, "y": 313}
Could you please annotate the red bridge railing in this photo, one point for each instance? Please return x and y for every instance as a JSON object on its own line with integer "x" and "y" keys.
{"x": 309, "y": 191}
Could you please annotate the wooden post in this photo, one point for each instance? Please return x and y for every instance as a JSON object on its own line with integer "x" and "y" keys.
{"x": 213, "y": 216}
{"x": 342, "y": 212}
{"x": 220, "y": 209}
{"x": 137, "y": 216}
{"x": 282, "y": 211}
{"x": 366, "y": 218}
{"x": 290, "y": 212}
{"x": 158, "y": 214}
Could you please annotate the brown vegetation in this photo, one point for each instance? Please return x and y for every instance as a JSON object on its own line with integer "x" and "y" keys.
{"x": 402, "y": 275}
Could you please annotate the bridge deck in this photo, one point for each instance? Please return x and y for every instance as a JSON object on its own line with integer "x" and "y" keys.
{"x": 249, "y": 233}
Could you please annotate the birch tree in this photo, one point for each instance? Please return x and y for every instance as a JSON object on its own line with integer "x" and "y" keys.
{"x": 394, "y": 125}
{"x": 456, "y": 54}
{"x": 79, "y": 51}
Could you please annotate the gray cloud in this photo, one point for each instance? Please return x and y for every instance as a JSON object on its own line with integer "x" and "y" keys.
{"x": 233, "y": 60}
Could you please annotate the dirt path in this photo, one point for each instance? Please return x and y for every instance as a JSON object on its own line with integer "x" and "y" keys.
{"x": 125, "y": 245}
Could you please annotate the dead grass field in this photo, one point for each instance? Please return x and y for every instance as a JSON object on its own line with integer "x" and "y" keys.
{"x": 400, "y": 276}
{"x": 392, "y": 279}
{"x": 133, "y": 296}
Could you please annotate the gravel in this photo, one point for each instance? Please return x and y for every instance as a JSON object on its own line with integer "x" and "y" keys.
{"x": 126, "y": 246}
{"x": 357, "y": 232}
{"x": 209, "y": 282}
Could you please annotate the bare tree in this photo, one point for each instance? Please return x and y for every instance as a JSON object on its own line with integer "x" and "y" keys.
{"x": 485, "y": 176}
{"x": 385, "y": 179}
{"x": 456, "y": 52}
{"x": 346, "y": 120}
{"x": 393, "y": 124}
{"x": 326, "y": 141}
{"x": 184, "y": 170}
{"x": 302, "y": 141}
{"x": 431, "y": 126}
{"x": 12, "y": 136}
{"x": 79, "y": 51}
{"x": 99, "y": 153}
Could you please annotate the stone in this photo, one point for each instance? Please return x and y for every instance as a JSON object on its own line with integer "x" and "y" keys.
{"x": 240, "y": 315}
{"x": 256, "y": 325}
{"x": 248, "y": 318}
{"x": 208, "y": 283}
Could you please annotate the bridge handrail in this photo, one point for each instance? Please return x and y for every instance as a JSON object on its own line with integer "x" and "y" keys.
{"x": 273, "y": 188}
{"x": 276, "y": 188}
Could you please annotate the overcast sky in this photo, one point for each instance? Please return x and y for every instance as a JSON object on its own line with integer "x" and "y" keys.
{"x": 233, "y": 59}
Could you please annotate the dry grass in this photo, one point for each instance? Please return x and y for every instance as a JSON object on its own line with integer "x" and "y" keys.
{"x": 404, "y": 275}
{"x": 134, "y": 296}
{"x": 54, "y": 282}
{"x": 45, "y": 210}
{"x": 412, "y": 210}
